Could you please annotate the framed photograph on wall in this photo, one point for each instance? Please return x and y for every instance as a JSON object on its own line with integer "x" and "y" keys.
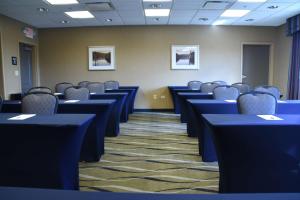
{"x": 185, "y": 57}
{"x": 102, "y": 58}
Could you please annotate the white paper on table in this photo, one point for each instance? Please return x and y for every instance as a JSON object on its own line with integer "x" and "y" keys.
{"x": 269, "y": 117}
{"x": 71, "y": 101}
{"x": 230, "y": 101}
{"x": 279, "y": 101}
{"x": 93, "y": 93}
{"x": 210, "y": 93}
{"x": 57, "y": 93}
{"x": 22, "y": 117}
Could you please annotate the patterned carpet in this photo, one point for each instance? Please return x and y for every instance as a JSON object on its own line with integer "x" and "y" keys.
{"x": 152, "y": 154}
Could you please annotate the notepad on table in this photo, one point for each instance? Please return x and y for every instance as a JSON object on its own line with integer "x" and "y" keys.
{"x": 210, "y": 93}
{"x": 269, "y": 117}
{"x": 279, "y": 101}
{"x": 57, "y": 93}
{"x": 93, "y": 93}
{"x": 230, "y": 101}
{"x": 22, "y": 117}
{"x": 71, "y": 101}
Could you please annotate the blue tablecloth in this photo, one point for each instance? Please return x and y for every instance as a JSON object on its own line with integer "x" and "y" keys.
{"x": 135, "y": 88}
{"x": 206, "y": 147}
{"x": 182, "y": 101}
{"x": 172, "y": 91}
{"x": 256, "y": 155}
{"x": 93, "y": 146}
{"x": 42, "y": 151}
{"x": 7, "y": 193}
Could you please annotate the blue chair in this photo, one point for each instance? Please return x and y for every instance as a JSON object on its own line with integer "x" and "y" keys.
{"x": 61, "y": 87}
{"x": 243, "y": 88}
{"x": 83, "y": 83}
{"x": 194, "y": 85}
{"x": 208, "y": 87}
{"x": 111, "y": 85}
{"x": 41, "y": 103}
{"x": 40, "y": 89}
{"x": 257, "y": 103}
{"x": 270, "y": 89}
{"x": 96, "y": 87}
{"x": 73, "y": 93}
{"x": 220, "y": 82}
{"x": 225, "y": 92}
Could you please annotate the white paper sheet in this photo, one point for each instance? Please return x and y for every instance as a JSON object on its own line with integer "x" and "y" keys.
{"x": 93, "y": 93}
{"x": 57, "y": 93}
{"x": 210, "y": 93}
{"x": 71, "y": 101}
{"x": 22, "y": 117}
{"x": 230, "y": 101}
{"x": 279, "y": 101}
{"x": 269, "y": 117}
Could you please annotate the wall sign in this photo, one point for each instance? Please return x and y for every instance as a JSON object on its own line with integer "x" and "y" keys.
{"x": 29, "y": 32}
{"x": 14, "y": 60}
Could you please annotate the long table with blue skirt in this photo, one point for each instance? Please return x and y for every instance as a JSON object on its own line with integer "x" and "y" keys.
{"x": 184, "y": 106}
{"x": 177, "y": 105}
{"x": 93, "y": 145}
{"x": 121, "y": 104}
{"x": 135, "y": 90}
{"x": 206, "y": 146}
{"x": 172, "y": 92}
{"x": 42, "y": 151}
{"x": 257, "y": 155}
{"x": 10, "y": 193}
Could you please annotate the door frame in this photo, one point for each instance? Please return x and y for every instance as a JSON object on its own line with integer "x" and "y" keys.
{"x": 271, "y": 59}
{"x": 2, "y": 67}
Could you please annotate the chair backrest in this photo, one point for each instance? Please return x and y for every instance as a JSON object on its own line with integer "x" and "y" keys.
{"x": 270, "y": 89}
{"x": 41, "y": 103}
{"x": 73, "y": 93}
{"x": 111, "y": 85}
{"x": 243, "y": 88}
{"x": 194, "y": 85}
{"x": 257, "y": 103}
{"x": 208, "y": 87}
{"x": 40, "y": 89}
{"x": 60, "y": 87}
{"x": 220, "y": 82}
{"x": 226, "y": 92}
{"x": 96, "y": 87}
{"x": 83, "y": 83}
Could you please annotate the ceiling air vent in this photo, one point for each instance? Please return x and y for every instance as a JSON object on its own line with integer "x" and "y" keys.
{"x": 100, "y": 6}
{"x": 216, "y": 5}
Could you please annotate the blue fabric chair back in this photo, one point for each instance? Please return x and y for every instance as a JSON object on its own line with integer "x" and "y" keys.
{"x": 194, "y": 85}
{"x": 270, "y": 89}
{"x": 208, "y": 87}
{"x": 73, "y": 93}
{"x": 220, "y": 82}
{"x": 257, "y": 103}
{"x": 96, "y": 87}
{"x": 243, "y": 88}
{"x": 61, "y": 87}
{"x": 83, "y": 84}
{"x": 40, "y": 89}
{"x": 40, "y": 103}
{"x": 111, "y": 85}
{"x": 226, "y": 92}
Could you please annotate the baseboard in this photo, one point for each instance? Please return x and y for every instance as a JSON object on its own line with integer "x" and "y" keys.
{"x": 154, "y": 110}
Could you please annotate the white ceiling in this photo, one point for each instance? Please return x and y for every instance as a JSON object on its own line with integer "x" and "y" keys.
{"x": 131, "y": 12}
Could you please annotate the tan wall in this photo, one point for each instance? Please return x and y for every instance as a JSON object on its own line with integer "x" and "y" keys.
{"x": 282, "y": 59}
{"x": 11, "y": 36}
{"x": 143, "y": 56}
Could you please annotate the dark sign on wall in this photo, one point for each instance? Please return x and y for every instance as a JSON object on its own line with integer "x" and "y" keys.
{"x": 14, "y": 60}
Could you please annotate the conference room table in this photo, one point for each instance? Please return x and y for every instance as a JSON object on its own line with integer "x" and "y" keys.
{"x": 10, "y": 193}
{"x": 42, "y": 151}
{"x": 257, "y": 153}
{"x": 184, "y": 106}
{"x": 135, "y": 90}
{"x": 172, "y": 92}
{"x": 93, "y": 146}
{"x": 199, "y": 127}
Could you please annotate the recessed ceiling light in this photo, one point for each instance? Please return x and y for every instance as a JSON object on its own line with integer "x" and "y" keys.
{"x": 249, "y": 20}
{"x": 42, "y": 9}
{"x": 61, "y": 2}
{"x": 203, "y": 19}
{"x": 235, "y": 13}
{"x": 108, "y": 20}
{"x": 252, "y": 1}
{"x": 157, "y": 0}
{"x": 157, "y": 12}
{"x": 157, "y": 19}
{"x": 273, "y": 7}
{"x": 80, "y": 14}
{"x": 65, "y": 22}
{"x": 155, "y": 5}
{"x": 219, "y": 22}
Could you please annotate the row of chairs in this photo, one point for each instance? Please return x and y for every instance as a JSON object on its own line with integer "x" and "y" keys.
{"x": 225, "y": 89}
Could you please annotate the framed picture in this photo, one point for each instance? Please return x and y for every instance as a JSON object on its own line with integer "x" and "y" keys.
{"x": 185, "y": 57}
{"x": 102, "y": 58}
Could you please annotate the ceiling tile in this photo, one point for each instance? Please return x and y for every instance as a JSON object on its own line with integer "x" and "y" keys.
{"x": 211, "y": 16}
